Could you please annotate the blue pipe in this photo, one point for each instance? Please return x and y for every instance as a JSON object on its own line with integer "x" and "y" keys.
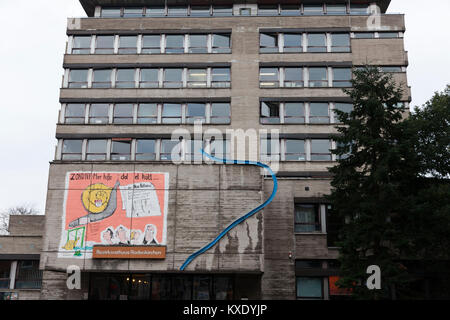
{"x": 241, "y": 219}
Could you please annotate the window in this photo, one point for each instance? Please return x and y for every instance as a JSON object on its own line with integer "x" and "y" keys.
{"x": 28, "y": 275}
{"x": 320, "y": 150}
{"x": 269, "y": 77}
{"x": 342, "y": 77}
{"x": 268, "y": 42}
{"x": 111, "y": 12}
{"x": 145, "y": 149}
{"x": 309, "y": 288}
{"x": 171, "y": 113}
{"x": 81, "y": 45}
{"x": 290, "y": 10}
{"x": 317, "y": 42}
{"x": 307, "y": 218}
{"x": 149, "y": 78}
{"x": 364, "y": 35}
{"x": 72, "y": 149}
{"x": 196, "y": 78}
{"x": 344, "y": 107}
{"x": 219, "y": 148}
{"x": 74, "y": 113}
{"x": 155, "y": 11}
{"x": 318, "y": 77}
{"x": 193, "y": 150}
{"x": 270, "y": 149}
{"x": 359, "y": 9}
{"x": 220, "y": 113}
{"x": 174, "y": 43}
{"x": 334, "y": 225}
{"x": 167, "y": 146}
{"x": 121, "y": 150}
{"x": 294, "y": 112}
{"x": 245, "y": 12}
{"x": 340, "y": 42}
{"x": 220, "y": 77}
{"x": 270, "y": 112}
{"x": 104, "y": 45}
{"x": 200, "y": 11}
{"x": 312, "y": 10}
{"x": 123, "y": 114}
{"x": 151, "y": 44}
{"x": 102, "y": 79}
{"x": 132, "y": 12}
{"x": 5, "y": 269}
{"x": 268, "y": 10}
{"x": 99, "y": 113}
{"x": 391, "y": 69}
{"x": 318, "y": 112}
{"x": 222, "y": 11}
{"x": 293, "y": 77}
{"x": 177, "y": 11}
{"x": 195, "y": 112}
{"x": 96, "y": 150}
{"x": 336, "y": 9}
{"x": 173, "y": 78}
{"x": 125, "y": 78}
{"x": 78, "y": 78}
{"x": 128, "y": 45}
{"x": 221, "y": 43}
{"x": 147, "y": 113}
{"x": 198, "y": 43}
{"x": 293, "y": 42}
{"x": 295, "y": 150}
{"x": 388, "y": 34}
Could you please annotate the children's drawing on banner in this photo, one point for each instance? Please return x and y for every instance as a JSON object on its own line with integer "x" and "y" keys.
{"x": 112, "y": 208}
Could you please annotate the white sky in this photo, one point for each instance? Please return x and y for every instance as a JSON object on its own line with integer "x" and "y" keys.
{"x": 33, "y": 37}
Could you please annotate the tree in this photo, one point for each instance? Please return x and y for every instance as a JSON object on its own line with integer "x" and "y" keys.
{"x": 393, "y": 213}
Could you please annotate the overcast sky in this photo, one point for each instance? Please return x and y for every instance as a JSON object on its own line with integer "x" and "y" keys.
{"x": 31, "y": 56}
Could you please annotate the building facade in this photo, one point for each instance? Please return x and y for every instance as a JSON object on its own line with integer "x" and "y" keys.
{"x": 130, "y": 195}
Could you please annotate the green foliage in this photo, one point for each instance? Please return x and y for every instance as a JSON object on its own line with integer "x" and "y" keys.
{"x": 391, "y": 213}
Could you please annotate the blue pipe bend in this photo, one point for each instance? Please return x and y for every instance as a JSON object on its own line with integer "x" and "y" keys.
{"x": 244, "y": 217}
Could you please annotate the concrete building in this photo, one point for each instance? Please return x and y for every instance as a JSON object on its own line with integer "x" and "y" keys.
{"x": 20, "y": 277}
{"x": 128, "y": 205}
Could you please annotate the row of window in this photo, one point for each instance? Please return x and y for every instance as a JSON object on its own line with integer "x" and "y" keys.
{"x": 304, "y": 42}
{"x": 275, "y": 112}
{"x": 237, "y": 10}
{"x": 146, "y": 113}
{"x": 149, "y": 78}
{"x": 27, "y": 274}
{"x": 150, "y": 44}
{"x": 161, "y": 149}
{"x": 295, "y": 77}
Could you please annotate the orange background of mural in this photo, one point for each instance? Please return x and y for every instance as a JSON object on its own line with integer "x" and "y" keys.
{"x": 335, "y": 290}
{"x": 78, "y": 182}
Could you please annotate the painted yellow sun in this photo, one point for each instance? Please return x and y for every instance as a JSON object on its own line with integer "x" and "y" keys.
{"x": 96, "y": 197}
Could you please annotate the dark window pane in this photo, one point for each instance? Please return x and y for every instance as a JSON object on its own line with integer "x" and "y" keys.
{"x": 359, "y": 9}
{"x": 268, "y": 10}
{"x": 151, "y": 44}
{"x": 336, "y": 9}
{"x": 268, "y": 77}
{"x": 147, "y": 113}
{"x": 196, "y": 78}
{"x": 195, "y": 112}
{"x": 270, "y": 112}
{"x": 149, "y": 78}
{"x": 319, "y": 113}
{"x": 198, "y": 43}
{"x": 290, "y": 10}
{"x": 294, "y": 112}
{"x": 125, "y": 78}
{"x": 171, "y": 113}
{"x": 268, "y": 42}
{"x": 167, "y": 146}
{"x": 340, "y": 42}
{"x": 174, "y": 43}
{"x": 222, "y": 11}
{"x": 102, "y": 79}
{"x": 111, "y": 12}
{"x": 99, "y": 113}
{"x": 173, "y": 78}
{"x": 295, "y": 150}
{"x": 132, "y": 12}
{"x": 220, "y": 77}
{"x": 78, "y": 78}
{"x": 123, "y": 113}
{"x": 81, "y": 45}
{"x": 318, "y": 77}
{"x": 105, "y": 45}
{"x": 307, "y": 217}
{"x": 200, "y": 11}
{"x": 293, "y": 42}
{"x": 155, "y": 11}
{"x": 317, "y": 42}
{"x": 344, "y": 107}
{"x": 364, "y": 35}
{"x": 145, "y": 149}
{"x": 121, "y": 150}
{"x": 28, "y": 275}
{"x": 96, "y": 150}
{"x": 72, "y": 149}
{"x": 220, "y": 113}
{"x": 128, "y": 45}
{"x": 312, "y": 9}
{"x": 202, "y": 288}
{"x": 221, "y": 43}
{"x": 74, "y": 113}
{"x": 309, "y": 287}
{"x": 293, "y": 77}
{"x": 177, "y": 11}
{"x": 320, "y": 150}
{"x": 342, "y": 77}
{"x": 388, "y": 34}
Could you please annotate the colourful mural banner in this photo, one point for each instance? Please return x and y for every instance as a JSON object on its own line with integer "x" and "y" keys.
{"x": 113, "y": 208}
